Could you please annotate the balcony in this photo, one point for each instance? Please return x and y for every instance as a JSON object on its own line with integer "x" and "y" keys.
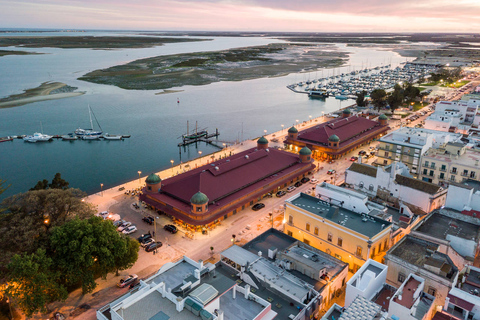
{"x": 453, "y": 172}
{"x": 464, "y": 174}
{"x": 443, "y": 169}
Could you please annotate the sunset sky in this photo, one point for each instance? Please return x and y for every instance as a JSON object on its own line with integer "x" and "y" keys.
{"x": 246, "y": 15}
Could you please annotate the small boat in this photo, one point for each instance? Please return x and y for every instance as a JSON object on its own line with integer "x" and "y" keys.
{"x": 126, "y": 136}
{"x": 318, "y": 94}
{"x": 37, "y": 137}
{"x": 90, "y": 132}
{"x": 91, "y": 136}
{"x": 112, "y": 137}
{"x": 6, "y": 139}
{"x": 69, "y": 136}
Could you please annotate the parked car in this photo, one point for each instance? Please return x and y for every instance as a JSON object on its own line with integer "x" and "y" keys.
{"x": 313, "y": 181}
{"x": 147, "y": 242}
{"x": 305, "y": 180}
{"x": 129, "y": 229}
{"x": 291, "y": 188}
{"x": 148, "y": 219}
{"x": 331, "y": 171}
{"x": 170, "y": 228}
{"x": 127, "y": 280}
{"x": 144, "y": 237}
{"x": 124, "y": 225}
{"x": 353, "y": 158}
{"x": 362, "y": 152}
{"x": 298, "y": 184}
{"x": 118, "y": 223}
{"x": 258, "y": 206}
{"x": 153, "y": 246}
{"x": 280, "y": 193}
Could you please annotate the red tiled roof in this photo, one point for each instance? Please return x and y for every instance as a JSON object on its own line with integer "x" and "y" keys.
{"x": 347, "y": 129}
{"x": 227, "y": 176}
{"x": 236, "y": 178}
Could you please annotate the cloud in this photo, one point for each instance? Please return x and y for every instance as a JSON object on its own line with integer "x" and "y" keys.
{"x": 246, "y": 15}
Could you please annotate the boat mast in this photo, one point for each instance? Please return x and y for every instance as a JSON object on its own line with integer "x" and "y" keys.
{"x": 90, "y": 114}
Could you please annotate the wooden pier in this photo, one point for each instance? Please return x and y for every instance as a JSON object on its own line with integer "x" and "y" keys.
{"x": 206, "y": 138}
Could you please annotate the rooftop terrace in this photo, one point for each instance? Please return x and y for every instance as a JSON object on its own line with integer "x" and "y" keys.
{"x": 440, "y": 226}
{"x": 363, "y": 224}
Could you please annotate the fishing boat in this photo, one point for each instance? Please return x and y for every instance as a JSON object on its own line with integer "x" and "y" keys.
{"x": 90, "y": 133}
{"x": 112, "y": 137}
{"x": 37, "y": 137}
{"x": 318, "y": 94}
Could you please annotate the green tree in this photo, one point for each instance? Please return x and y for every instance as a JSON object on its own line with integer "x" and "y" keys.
{"x": 58, "y": 182}
{"x": 84, "y": 249}
{"x": 411, "y": 92}
{"x": 41, "y": 185}
{"x": 378, "y": 97}
{"x": 29, "y": 217}
{"x": 361, "y": 102}
{"x": 32, "y": 283}
{"x": 395, "y": 99}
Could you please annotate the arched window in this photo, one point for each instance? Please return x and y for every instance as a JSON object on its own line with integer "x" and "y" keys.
{"x": 307, "y": 227}
{"x": 316, "y": 231}
{"x": 290, "y": 219}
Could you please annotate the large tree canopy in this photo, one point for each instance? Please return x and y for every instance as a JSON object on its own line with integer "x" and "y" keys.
{"x": 83, "y": 249}
{"x": 29, "y": 217}
{"x": 33, "y": 282}
{"x": 378, "y": 97}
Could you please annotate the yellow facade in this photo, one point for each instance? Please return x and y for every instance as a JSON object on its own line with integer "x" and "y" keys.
{"x": 328, "y": 236}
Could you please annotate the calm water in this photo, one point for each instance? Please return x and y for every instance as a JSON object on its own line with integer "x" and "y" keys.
{"x": 154, "y": 121}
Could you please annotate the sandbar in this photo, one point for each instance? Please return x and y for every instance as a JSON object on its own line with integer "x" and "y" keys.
{"x": 46, "y": 91}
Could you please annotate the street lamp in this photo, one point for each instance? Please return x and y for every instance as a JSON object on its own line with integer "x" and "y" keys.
{"x": 233, "y": 239}
{"x": 282, "y": 127}
{"x": 271, "y": 218}
{"x": 310, "y": 118}
{"x": 297, "y": 122}
{"x": 265, "y": 131}
{"x": 139, "y": 173}
{"x": 101, "y": 188}
{"x": 224, "y": 150}
{"x": 171, "y": 161}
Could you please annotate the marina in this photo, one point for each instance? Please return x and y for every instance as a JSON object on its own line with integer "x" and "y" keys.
{"x": 348, "y": 85}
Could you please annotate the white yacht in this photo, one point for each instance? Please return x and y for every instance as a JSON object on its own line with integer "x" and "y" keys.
{"x": 37, "y": 137}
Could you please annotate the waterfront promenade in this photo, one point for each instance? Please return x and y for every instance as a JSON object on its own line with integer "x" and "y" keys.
{"x": 106, "y": 198}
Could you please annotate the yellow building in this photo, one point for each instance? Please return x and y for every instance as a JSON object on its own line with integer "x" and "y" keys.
{"x": 348, "y": 236}
{"x": 453, "y": 162}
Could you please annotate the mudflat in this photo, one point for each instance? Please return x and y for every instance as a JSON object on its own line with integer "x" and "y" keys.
{"x": 13, "y": 52}
{"x": 46, "y": 91}
{"x": 200, "y": 68}
{"x": 89, "y": 42}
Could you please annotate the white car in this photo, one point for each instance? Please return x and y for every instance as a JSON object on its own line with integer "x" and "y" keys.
{"x": 313, "y": 181}
{"x": 290, "y": 189}
{"x": 127, "y": 280}
{"x": 123, "y": 226}
{"x": 147, "y": 242}
{"x": 130, "y": 229}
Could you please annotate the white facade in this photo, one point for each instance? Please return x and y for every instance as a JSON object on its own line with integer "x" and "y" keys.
{"x": 366, "y": 282}
{"x": 461, "y": 302}
{"x": 465, "y": 110}
{"x": 410, "y": 302}
{"x": 348, "y": 199}
{"x": 385, "y": 182}
{"x": 462, "y": 197}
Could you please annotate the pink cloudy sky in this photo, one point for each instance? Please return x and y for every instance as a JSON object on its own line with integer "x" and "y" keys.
{"x": 246, "y": 15}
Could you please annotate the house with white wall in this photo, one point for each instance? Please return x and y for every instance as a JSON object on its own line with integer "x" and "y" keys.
{"x": 395, "y": 184}
{"x": 463, "y": 300}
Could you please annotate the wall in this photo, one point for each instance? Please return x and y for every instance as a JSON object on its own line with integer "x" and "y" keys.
{"x": 458, "y": 197}
{"x": 350, "y": 239}
{"x": 396, "y": 266}
{"x": 374, "y": 286}
{"x": 464, "y": 247}
{"x": 355, "y": 179}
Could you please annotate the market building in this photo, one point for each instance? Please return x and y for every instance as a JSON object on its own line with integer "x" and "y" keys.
{"x": 204, "y": 196}
{"x": 335, "y": 138}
